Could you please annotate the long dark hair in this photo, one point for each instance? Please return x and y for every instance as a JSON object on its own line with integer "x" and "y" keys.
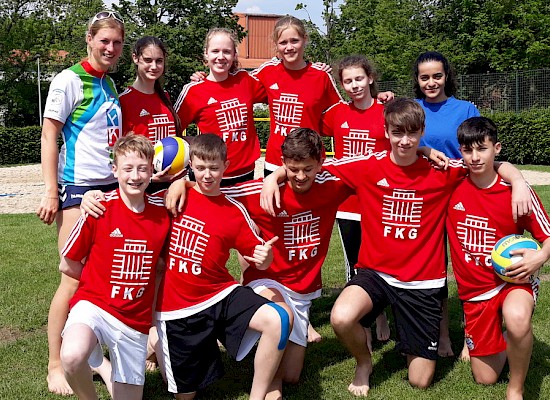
{"x": 450, "y": 77}
{"x": 139, "y": 47}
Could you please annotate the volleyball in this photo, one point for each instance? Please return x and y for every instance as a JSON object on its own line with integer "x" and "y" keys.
{"x": 501, "y": 258}
{"x": 172, "y": 151}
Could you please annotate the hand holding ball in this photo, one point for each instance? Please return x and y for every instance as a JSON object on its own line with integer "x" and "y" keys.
{"x": 501, "y": 257}
{"x": 173, "y": 152}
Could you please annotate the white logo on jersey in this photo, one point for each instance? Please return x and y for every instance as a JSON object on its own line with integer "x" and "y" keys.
{"x": 274, "y": 86}
{"x": 282, "y": 214}
{"x": 160, "y": 128}
{"x": 131, "y": 269}
{"x": 287, "y": 111}
{"x": 232, "y": 120}
{"x": 357, "y": 143}
{"x": 116, "y": 233}
{"x": 188, "y": 243}
{"x": 212, "y": 100}
{"x": 345, "y": 125}
{"x": 301, "y": 236}
{"x": 432, "y": 346}
{"x": 477, "y": 239}
{"x": 383, "y": 182}
{"x": 143, "y": 112}
{"x": 459, "y": 206}
{"x": 401, "y": 214}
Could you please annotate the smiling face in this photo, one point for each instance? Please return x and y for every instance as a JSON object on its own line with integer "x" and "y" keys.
{"x": 290, "y": 47}
{"x": 133, "y": 173}
{"x": 105, "y": 48}
{"x": 301, "y": 174}
{"x": 220, "y": 55}
{"x": 480, "y": 158}
{"x": 431, "y": 79}
{"x": 403, "y": 145}
{"x": 150, "y": 63}
{"x": 356, "y": 83}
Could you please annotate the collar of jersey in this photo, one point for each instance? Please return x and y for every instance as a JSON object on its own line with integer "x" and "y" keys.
{"x": 91, "y": 70}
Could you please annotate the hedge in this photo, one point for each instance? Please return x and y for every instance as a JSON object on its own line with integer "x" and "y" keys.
{"x": 525, "y": 138}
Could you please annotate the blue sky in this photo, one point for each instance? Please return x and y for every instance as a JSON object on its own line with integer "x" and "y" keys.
{"x": 314, "y": 8}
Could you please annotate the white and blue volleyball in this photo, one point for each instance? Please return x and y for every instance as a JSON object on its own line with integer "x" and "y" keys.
{"x": 173, "y": 152}
{"x": 501, "y": 257}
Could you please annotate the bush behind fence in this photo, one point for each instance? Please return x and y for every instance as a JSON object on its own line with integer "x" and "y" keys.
{"x": 524, "y": 136}
{"x": 493, "y": 92}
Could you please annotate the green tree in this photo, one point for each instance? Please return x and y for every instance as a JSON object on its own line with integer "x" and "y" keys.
{"x": 182, "y": 26}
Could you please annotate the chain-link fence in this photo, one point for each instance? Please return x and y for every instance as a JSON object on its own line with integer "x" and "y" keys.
{"x": 508, "y": 91}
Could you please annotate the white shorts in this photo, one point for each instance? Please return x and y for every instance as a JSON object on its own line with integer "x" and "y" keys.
{"x": 299, "y": 306}
{"x": 127, "y": 346}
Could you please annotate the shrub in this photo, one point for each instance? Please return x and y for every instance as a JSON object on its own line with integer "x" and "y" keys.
{"x": 524, "y": 136}
{"x": 20, "y": 145}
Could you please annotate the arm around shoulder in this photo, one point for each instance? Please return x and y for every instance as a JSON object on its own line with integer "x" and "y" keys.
{"x": 522, "y": 203}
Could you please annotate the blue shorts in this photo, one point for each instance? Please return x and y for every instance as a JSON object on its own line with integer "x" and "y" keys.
{"x": 71, "y": 195}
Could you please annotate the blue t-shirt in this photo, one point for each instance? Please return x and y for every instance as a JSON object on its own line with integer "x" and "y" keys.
{"x": 442, "y": 121}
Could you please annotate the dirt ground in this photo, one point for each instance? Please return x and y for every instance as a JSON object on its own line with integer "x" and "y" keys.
{"x": 21, "y": 187}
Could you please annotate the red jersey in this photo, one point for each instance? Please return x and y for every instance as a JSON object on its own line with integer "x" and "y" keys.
{"x": 476, "y": 220}
{"x": 226, "y": 109}
{"x": 121, "y": 249}
{"x": 356, "y": 132}
{"x": 201, "y": 236}
{"x": 297, "y": 99}
{"x": 146, "y": 114}
{"x": 304, "y": 226}
{"x": 402, "y": 215}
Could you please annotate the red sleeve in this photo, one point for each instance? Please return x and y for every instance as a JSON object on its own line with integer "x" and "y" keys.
{"x": 327, "y": 128}
{"x": 258, "y": 90}
{"x": 332, "y": 96}
{"x": 80, "y": 240}
{"x": 537, "y": 223}
{"x": 350, "y": 170}
{"x": 186, "y": 106}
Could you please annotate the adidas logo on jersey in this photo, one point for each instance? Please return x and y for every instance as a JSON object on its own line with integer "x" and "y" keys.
{"x": 143, "y": 112}
{"x": 116, "y": 233}
{"x": 282, "y": 214}
{"x": 383, "y": 182}
{"x": 212, "y": 100}
{"x": 345, "y": 125}
{"x": 274, "y": 86}
{"x": 459, "y": 206}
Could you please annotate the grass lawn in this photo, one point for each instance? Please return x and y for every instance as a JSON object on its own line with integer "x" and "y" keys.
{"x": 28, "y": 279}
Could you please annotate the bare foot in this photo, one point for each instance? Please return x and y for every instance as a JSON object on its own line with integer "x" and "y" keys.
{"x": 56, "y": 381}
{"x": 382, "y": 328}
{"x": 360, "y": 385}
{"x": 312, "y": 335}
{"x": 368, "y": 333}
{"x": 151, "y": 363}
{"x": 465, "y": 353}
{"x": 512, "y": 394}
{"x": 445, "y": 349}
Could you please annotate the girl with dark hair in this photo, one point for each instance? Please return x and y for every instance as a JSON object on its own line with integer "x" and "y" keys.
{"x": 146, "y": 108}
{"x": 435, "y": 88}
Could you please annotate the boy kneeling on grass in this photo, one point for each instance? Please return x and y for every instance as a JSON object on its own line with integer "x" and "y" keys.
{"x": 199, "y": 302}
{"x": 114, "y": 300}
{"x": 478, "y": 215}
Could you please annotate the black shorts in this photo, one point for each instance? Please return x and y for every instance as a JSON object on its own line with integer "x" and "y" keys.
{"x": 192, "y": 355}
{"x": 417, "y": 312}
{"x": 71, "y": 195}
